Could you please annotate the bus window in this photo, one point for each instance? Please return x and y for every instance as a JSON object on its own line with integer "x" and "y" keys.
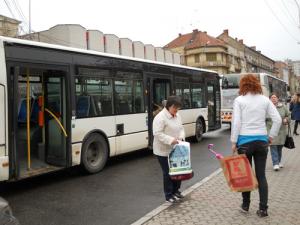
{"x": 183, "y": 91}
{"x": 123, "y": 96}
{"x": 198, "y": 96}
{"x": 93, "y": 97}
{"x": 95, "y": 89}
{"x": 138, "y": 95}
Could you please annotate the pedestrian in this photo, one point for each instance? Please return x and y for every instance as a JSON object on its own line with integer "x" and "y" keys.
{"x": 168, "y": 131}
{"x": 249, "y": 134}
{"x": 295, "y": 109}
{"x": 278, "y": 142}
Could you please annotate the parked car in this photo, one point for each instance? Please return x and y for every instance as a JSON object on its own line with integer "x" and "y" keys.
{"x": 6, "y": 217}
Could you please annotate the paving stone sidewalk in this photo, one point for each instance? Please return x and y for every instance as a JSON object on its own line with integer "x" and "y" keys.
{"x": 212, "y": 202}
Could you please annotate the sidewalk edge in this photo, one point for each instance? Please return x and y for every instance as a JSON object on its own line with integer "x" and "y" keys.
{"x": 164, "y": 206}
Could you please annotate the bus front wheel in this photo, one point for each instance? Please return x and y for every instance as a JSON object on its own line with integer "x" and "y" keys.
{"x": 94, "y": 153}
{"x": 199, "y": 131}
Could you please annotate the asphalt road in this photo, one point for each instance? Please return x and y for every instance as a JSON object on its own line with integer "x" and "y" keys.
{"x": 128, "y": 188}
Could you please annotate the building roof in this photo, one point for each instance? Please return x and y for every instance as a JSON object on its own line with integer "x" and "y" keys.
{"x": 11, "y": 20}
{"x": 195, "y": 39}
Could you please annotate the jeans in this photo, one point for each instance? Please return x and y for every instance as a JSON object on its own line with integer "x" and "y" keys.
{"x": 170, "y": 186}
{"x": 296, "y": 126}
{"x": 276, "y": 153}
{"x": 258, "y": 150}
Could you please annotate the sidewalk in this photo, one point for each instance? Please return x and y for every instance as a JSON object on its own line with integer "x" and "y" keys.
{"x": 210, "y": 201}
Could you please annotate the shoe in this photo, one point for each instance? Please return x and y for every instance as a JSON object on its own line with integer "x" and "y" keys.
{"x": 262, "y": 212}
{"x": 245, "y": 208}
{"x": 171, "y": 200}
{"x": 280, "y": 165}
{"x": 178, "y": 195}
{"x": 296, "y": 133}
{"x": 276, "y": 167}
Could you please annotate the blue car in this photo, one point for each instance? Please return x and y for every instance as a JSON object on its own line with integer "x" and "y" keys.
{"x": 6, "y": 217}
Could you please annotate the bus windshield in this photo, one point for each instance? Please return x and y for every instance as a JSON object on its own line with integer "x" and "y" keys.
{"x": 232, "y": 80}
{"x": 228, "y": 96}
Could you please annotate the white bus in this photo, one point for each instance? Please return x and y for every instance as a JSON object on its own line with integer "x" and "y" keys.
{"x": 230, "y": 89}
{"x": 62, "y": 106}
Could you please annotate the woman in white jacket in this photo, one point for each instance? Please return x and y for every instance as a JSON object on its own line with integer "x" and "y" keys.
{"x": 167, "y": 131}
{"x": 249, "y": 134}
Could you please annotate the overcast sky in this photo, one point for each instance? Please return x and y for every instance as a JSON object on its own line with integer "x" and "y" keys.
{"x": 270, "y": 25}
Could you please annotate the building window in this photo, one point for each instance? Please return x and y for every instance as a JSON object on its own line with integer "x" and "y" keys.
{"x": 197, "y": 58}
{"x": 211, "y": 57}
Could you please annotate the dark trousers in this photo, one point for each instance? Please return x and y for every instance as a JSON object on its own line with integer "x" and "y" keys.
{"x": 170, "y": 186}
{"x": 296, "y": 126}
{"x": 258, "y": 150}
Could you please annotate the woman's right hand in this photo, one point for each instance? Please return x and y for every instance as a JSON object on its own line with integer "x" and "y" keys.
{"x": 174, "y": 142}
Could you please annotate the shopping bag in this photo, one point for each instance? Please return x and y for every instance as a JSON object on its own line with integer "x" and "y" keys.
{"x": 238, "y": 173}
{"x": 289, "y": 141}
{"x": 180, "y": 162}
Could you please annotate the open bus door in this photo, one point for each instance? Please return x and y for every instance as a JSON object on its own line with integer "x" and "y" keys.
{"x": 158, "y": 89}
{"x": 40, "y": 128}
{"x": 213, "y": 104}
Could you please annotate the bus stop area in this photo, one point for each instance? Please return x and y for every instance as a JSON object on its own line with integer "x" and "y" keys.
{"x": 211, "y": 202}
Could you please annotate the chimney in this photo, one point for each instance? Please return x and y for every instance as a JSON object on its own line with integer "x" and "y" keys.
{"x": 195, "y": 31}
{"x": 236, "y": 39}
{"x": 179, "y": 34}
{"x": 204, "y": 32}
{"x": 226, "y": 32}
{"x": 253, "y": 47}
{"x": 241, "y": 41}
{"x": 259, "y": 52}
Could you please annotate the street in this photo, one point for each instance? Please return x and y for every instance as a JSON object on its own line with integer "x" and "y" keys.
{"x": 129, "y": 187}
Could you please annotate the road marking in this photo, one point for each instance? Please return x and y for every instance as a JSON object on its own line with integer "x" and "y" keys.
{"x": 164, "y": 206}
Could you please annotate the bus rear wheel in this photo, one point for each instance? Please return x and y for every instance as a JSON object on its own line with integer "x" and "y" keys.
{"x": 94, "y": 153}
{"x": 199, "y": 131}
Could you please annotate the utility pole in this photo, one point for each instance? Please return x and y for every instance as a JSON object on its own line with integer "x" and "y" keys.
{"x": 29, "y": 18}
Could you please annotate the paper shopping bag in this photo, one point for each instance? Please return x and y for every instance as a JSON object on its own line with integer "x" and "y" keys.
{"x": 238, "y": 173}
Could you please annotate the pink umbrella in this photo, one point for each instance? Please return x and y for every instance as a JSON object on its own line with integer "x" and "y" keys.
{"x": 218, "y": 155}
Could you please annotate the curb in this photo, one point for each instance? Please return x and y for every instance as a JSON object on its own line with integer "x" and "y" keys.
{"x": 164, "y": 206}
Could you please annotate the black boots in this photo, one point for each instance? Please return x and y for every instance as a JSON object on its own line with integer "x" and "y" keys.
{"x": 262, "y": 212}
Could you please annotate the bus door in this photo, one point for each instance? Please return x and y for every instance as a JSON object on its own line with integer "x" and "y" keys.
{"x": 55, "y": 118}
{"x": 158, "y": 90}
{"x": 213, "y": 105}
{"x": 40, "y": 124}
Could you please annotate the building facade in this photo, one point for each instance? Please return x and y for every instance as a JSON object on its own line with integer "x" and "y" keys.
{"x": 257, "y": 62}
{"x": 77, "y": 36}
{"x": 296, "y": 67}
{"x": 236, "y": 53}
{"x": 294, "y": 79}
{"x": 223, "y": 54}
{"x": 9, "y": 27}
{"x": 198, "y": 49}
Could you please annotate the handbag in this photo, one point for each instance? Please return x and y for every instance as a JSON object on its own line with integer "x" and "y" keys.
{"x": 289, "y": 141}
{"x": 238, "y": 173}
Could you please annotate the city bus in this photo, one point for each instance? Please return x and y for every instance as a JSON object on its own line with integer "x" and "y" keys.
{"x": 62, "y": 106}
{"x": 230, "y": 90}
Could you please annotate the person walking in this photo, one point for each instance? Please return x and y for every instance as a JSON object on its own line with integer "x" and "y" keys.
{"x": 278, "y": 142}
{"x": 249, "y": 134}
{"x": 295, "y": 109}
{"x": 168, "y": 131}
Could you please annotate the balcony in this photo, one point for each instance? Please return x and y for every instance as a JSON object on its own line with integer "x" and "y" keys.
{"x": 212, "y": 64}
